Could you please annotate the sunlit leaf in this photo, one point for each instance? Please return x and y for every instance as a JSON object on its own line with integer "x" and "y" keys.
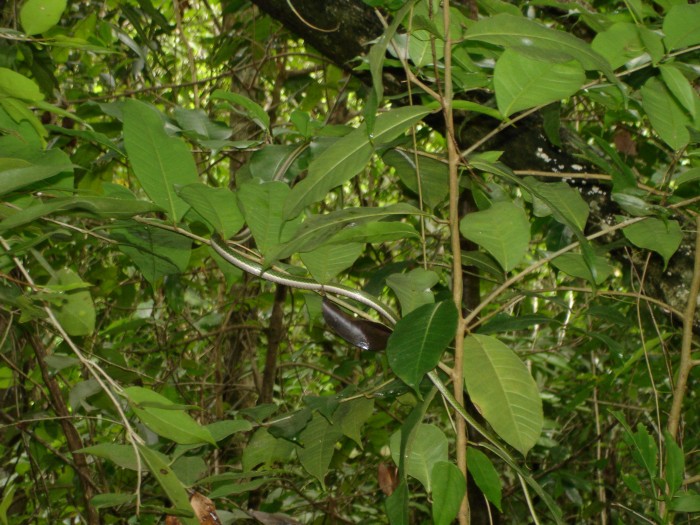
{"x": 503, "y": 390}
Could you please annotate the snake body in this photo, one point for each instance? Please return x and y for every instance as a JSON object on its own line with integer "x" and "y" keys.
{"x": 275, "y": 276}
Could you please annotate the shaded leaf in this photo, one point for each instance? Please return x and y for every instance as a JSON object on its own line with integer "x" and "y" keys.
{"x": 419, "y": 339}
{"x": 485, "y": 476}
{"x": 449, "y": 488}
{"x": 76, "y": 313}
{"x": 218, "y": 206}
{"x": 159, "y": 161}
{"x": 348, "y": 156}
{"x": 171, "y": 423}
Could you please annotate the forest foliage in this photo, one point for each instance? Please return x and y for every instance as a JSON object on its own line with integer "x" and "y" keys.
{"x": 179, "y": 180}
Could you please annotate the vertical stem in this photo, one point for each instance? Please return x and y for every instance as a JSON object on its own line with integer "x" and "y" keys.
{"x": 674, "y": 419}
{"x": 457, "y": 282}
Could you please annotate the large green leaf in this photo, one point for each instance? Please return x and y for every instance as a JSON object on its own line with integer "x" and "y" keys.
{"x": 318, "y": 445}
{"x": 619, "y": 43}
{"x": 427, "y": 447}
{"x": 262, "y": 204}
{"x": 172, "y": 486}
{"x": 218, "y": 206}
{"x": 348, "y": 156}
{"x": 520, "y": 32}
{"x": 679, "y": 86}
{"x": 106, "y": 207}
{"x": 522, "y": 82}
{"x": 155, "y": 251}
{"x": 419, "y": 339}
{"x": 121, "y": 455}
{"x": 666, "y": 115}
{"x": 328, "y": 260}
{"x": 159, "y": 161}
{"x": 574, "y": 265}
{"x": 317, "y": 229}
{"x": 76, "y": 313}
{"x": 562, "y": 200}
{"x": 38, "y": 16}
{"x": 373, "y": 232}
{"x": 264, "y": 449}
{"x": 413, "y": 288}
{"x": 502, "y": 230}
{"x": 663, "y": 237}
{"x": 449, "y": 487}
{"x": 165, "y": 418}
{"x": 16, "y": 173}
{"x": 681, "y": 28}
{"x": 503, "y": 390}
{"x": 16, "y": 85}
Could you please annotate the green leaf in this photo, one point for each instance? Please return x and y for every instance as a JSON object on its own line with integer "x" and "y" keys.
{"x": 16, "y": 85}
{"x": 681, "y": 28}
{"x": 291, "y": 426}
{"x": 665, "y": 114}
{"x": 663, "y": 237}
{"x": 485, "y": 476}
{"x": 503, "y": 230}
{"x": 317, "y": 229}
{"x": 7, "y": 499}
{"x": 643, "y": 448}
{"x": 679, "y": 86}
{"x": 619, "y": 43}
{"x": 171, "y": 423}
{"x": 413, "y": 288}
{"x": 397, "y": 505}
{"x": 449, "y": 488}
{"x": 218, "y": 206}
{"x": 519, "y": 32}
{"x": 155, "y": 251}
{"x": 375, "y": 232}
{"x": 434, "y": 175}
{"x": 562, "y": 200}
{"x": 522, "y": 82}
{"x": 262, "y": 205}
{"x": 172, "y": 486}
{"x": 427, "y": 448}
{"x": 159, "y": 161}
{"x": 252, "y": 109}
{"x": 38, "y": 16}
{"x": 351, "y": 415}
{"x": 421, "y": 50}
{"x": 685, "y": 503}
{"x": 76, "y": 314}
{"x": 503, "y": 390}
{"x": 121, "y": 455}
{"x": 690, "y": 175}
{"x": 419, "y": 339}
{"x": 574, "y": 265}
{"x": 111, "y": 499}
{"x": 328, "y": 260}
{"x": 222, "y": 429}
{"x": 18, "y": 173}
{"x": 263, "y": 449}
{"x": 318, "y": 440}
{"x": 675, "y": 464}
{"x": 348, "y": 156}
